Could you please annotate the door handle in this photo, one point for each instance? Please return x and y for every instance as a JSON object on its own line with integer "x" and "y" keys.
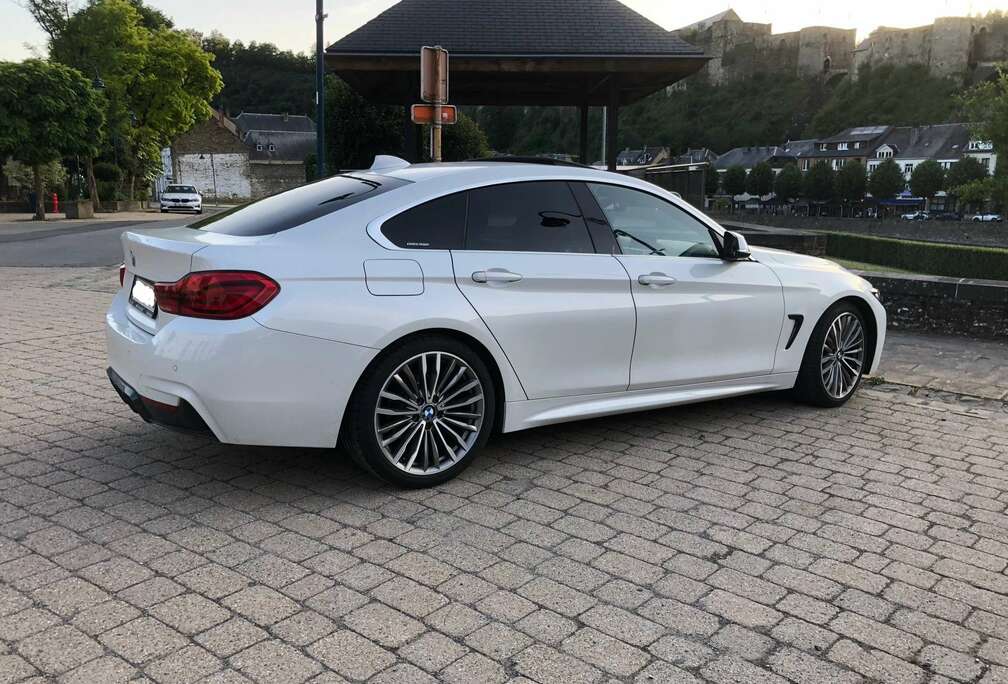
{"x": 495, "y": 275}
{"x": 656, "y": 280}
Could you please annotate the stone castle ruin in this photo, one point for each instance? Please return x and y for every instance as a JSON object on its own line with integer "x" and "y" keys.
{"x": 964, "y": 48}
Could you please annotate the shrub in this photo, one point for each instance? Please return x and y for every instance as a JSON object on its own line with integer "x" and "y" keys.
{"x": 933, "y": 258}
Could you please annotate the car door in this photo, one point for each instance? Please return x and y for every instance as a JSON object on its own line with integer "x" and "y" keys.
{"x": 562, "y": 313}
{"x": 699, "y": 318}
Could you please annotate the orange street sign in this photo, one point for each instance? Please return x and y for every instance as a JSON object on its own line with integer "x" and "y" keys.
{"x": 424, "y": 114}
{"x": 434, "y": 74}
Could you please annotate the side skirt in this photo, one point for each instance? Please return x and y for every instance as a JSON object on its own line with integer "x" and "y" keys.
{"x": 522, "y": 415}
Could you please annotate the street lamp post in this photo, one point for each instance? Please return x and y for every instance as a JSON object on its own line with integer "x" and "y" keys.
{"x": 320, "y": 162}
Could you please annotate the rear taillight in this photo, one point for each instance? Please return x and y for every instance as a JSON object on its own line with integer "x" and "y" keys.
{"x": 122, "y": 274}
{"x": 222, "y": 295}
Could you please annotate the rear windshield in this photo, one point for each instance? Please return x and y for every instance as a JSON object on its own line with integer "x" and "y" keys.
{"x": 180, "y": 188}
{"x": 292, "y": 208}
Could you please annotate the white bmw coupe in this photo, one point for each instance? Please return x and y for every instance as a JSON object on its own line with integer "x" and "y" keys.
{"x": 409, "y": 311}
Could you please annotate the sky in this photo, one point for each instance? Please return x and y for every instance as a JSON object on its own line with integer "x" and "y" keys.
{"x": 290, "y": 24}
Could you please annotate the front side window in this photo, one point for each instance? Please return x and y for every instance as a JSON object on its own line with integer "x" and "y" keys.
{"x": 539, "y": 216}
{"x": 438, "y": 224}
{"x": 645, "y": 224}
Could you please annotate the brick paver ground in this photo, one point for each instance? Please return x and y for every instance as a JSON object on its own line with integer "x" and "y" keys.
{"x": 751, "y": 540}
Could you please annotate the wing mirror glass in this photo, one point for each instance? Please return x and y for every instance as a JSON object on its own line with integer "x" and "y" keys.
{"x": 735, "y": 247}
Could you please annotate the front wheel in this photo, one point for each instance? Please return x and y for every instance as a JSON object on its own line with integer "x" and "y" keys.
{"x": 422, "y": 412}
{"x": 834, "y": 360}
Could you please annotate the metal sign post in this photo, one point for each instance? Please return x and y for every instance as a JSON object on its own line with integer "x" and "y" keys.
{"x": 434, "y": 89}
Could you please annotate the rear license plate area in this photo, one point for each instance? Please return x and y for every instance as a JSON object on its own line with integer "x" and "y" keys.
{"x": 142, "y": 297}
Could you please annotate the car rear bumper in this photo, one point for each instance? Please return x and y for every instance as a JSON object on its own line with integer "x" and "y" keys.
{"x": 181, "y": 417}
{"x": 242, "y": 382}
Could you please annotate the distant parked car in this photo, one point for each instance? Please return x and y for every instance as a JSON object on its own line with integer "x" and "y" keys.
{"x": 947, "y": 216}
{"x": 986, "y": 218}
{"x": 916, "y": 216}
{"x": 181, "y": 198}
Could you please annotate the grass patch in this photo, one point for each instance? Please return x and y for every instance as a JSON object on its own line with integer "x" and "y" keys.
{"x": 932, "y": 258}
{"x": 865, "y": 266}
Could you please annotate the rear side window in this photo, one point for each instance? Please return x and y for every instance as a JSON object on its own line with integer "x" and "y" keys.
{"x": 292, "y": 208}
{"x": 539, "y": 216}
{"x": 438, "y": 224}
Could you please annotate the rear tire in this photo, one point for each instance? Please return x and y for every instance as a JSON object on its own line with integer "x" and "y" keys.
{"x": 835, "y": 357}
{"x": 422, "y": 413}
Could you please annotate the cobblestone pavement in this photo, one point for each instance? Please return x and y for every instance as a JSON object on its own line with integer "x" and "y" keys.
{"x": 750, "y": 540}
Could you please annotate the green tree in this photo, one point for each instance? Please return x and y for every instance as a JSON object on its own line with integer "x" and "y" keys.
{"x": 760, "y": 180}
{"x": 788, "y": 184}
{"x": 927, "y": 179}
{"x": 905, "y": 95}
{"x": 158, "y": 82}
{"x": 357, "y": 130}
{"x": 50, "y": 15}
{"x": 820, "y": 183}
{"x": 986, "y": 105}
{"x": 852, "y": 182}
{"x": 886, "y": 181}
{"x": 48, "y": 111}
{"x": 464, "y": 140}
{"x": 974, "y": 193}
{"x": 964, "y": 171}
{"x": 733, "y": 181}
{"x": 259, "y": 77}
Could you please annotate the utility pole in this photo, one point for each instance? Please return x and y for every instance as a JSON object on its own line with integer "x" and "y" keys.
{"x": 320, "y": 146}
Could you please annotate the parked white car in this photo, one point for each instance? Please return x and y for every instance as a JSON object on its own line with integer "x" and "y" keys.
{"x": 181, "y": 198}
{"x": 986, "y": 218}
{"x": 916, "y": 216}
{"x": 409, "y": 311}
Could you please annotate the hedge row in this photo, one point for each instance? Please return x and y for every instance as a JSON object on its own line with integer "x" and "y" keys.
{"x": 932, "y": 258}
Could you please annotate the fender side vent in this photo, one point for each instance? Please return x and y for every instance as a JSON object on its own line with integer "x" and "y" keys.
{"x": 798, "y": 319}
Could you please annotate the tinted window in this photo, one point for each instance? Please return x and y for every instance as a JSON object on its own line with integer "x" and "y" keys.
{"x": 438, "y": 224}
{"x": 526, "y": 217}
{"x": 645, "y": 224}
{"x": 289, "y": 209}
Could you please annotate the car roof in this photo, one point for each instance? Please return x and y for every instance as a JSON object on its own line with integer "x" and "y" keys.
{"x": 500, "y": 171}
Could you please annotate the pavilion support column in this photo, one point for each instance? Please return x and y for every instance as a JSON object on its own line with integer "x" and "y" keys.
{"x": 612, "y": 125}
{"x": 583, "y": 139}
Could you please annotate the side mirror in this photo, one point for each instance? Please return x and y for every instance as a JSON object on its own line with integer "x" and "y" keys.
{"x": 735, "y": 247}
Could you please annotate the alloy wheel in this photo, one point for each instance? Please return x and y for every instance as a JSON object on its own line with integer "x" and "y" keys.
{"x": 843, "y": 353}
{"x": 429, "y": 413}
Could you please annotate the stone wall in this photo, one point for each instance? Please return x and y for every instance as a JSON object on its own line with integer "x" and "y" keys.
{"x": 954, "y": 306}
{"x": 230, "y": 170}
{"x": 954, "y": 47}
{"x": 269, "y": 179}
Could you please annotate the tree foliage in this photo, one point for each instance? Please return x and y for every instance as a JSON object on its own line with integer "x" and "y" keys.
{"x": 49, "y": 111}
{"x": 905, "y": 95}
{"x": 927, "y": 179}
{"x": 357, "y": 130}
{"x": 986, "y": 105}
{"x": 852, "y": 182}
{"x": 964, "y": 171}
{"x": 50, "y": 15}
{"x": 820, "y": 182}
{"x": 259, "y": 77}
{"x": 760, "y": 180}
{"x": 733, "y": 181}
{"x": 463, "y": 140}
{"x": 158, "y": 82}
{"x": 788, "y": 184}
{"x": 886, "y": 180}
